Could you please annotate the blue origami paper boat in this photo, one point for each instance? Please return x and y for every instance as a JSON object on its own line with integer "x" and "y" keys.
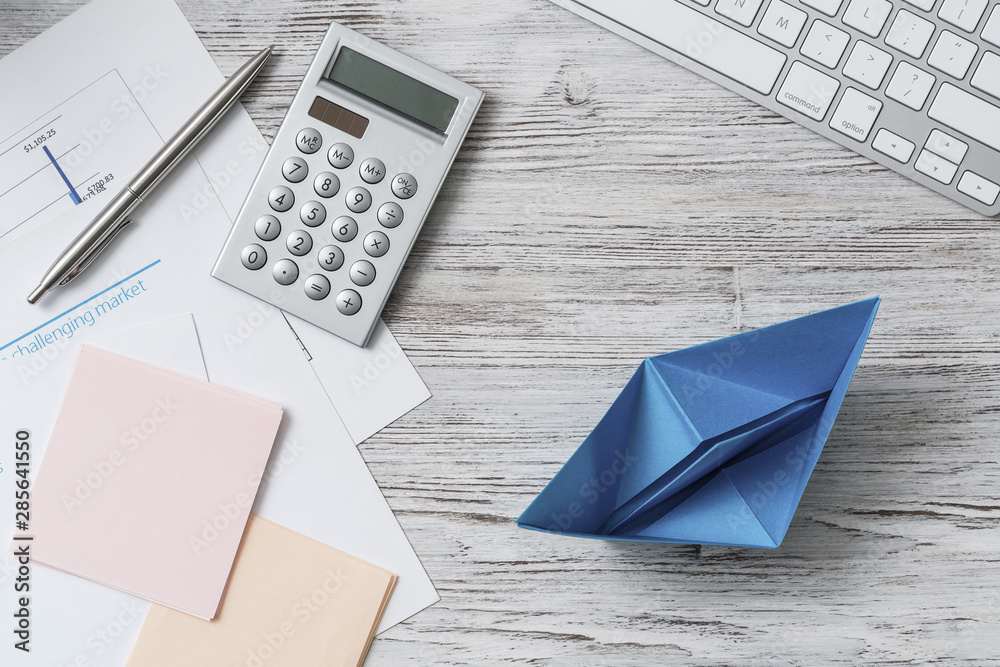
{"x": 712, "y": 444}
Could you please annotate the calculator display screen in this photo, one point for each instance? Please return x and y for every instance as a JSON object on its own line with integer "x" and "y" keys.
{"x": 393, "y": 89}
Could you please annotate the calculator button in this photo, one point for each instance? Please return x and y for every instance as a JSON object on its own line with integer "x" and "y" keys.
{"x": 362, "y": 273}
{"x": 340, "y": 156}
{"x": 299, "y": 243}
{"x": 267, "y": 227}
{"x": 331, "y": 258}
{"x": 253, "y": 257}
{"x": 281, "y": 199}
{"x": 359, "y": 200}
{"x": 326, "y": 184}
{"x": 404, "y": 186}
{"x": 312, "y": 214}
{"x": 285, "y": 272}
{"x": 348, "y": 302}
{"x": 295, "y": 170}
{"x": 390, "y": 214}
{"x": 345, "y": 229}
{"x": 317, "y": 287}
{"x": 376, "y": 244}
{"x": 372, "y": 170}
{"x": 309, "y": 141}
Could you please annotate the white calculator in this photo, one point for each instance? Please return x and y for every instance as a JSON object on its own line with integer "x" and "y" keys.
{"x": 347, "y": 184}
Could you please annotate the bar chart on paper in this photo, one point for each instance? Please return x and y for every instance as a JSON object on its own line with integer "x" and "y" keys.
{"x": 87, "y": 146}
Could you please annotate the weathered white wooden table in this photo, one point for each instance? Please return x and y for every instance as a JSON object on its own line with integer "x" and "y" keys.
{"x": 609, "y": 205}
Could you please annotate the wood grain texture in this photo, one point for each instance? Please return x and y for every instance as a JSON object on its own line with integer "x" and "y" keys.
{"x": 609, "y": 205}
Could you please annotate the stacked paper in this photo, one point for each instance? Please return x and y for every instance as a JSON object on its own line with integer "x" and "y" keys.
{"x": 148, "y": 480}
{"x": 292, "y": 601}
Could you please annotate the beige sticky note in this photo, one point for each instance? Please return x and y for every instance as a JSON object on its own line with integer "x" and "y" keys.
{"x": 148, "y": 479}
{"x": 291, "y": 602}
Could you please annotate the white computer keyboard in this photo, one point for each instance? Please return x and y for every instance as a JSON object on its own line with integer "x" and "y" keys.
{"x": 914, "y": 85}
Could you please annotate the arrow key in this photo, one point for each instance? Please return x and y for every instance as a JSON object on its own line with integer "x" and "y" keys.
{"x": 936, "y": 167}
{"x": 978, "y": 187}
{"x": 893, "y": 145}
{"x": 947, "y": 147}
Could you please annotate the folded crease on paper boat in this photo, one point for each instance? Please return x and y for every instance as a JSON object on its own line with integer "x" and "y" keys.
{"x": 712, "y": 444}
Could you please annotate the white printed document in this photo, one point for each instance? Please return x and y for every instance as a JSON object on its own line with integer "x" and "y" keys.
{"x": 119, "y": 78}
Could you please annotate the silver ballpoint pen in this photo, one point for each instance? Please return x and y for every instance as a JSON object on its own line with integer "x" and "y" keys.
{"x": 115, "y": 216}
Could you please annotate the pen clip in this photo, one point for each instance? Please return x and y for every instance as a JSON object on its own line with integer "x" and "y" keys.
{"x": 96, "y": 250}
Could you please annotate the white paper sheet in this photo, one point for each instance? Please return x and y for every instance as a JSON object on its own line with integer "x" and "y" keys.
{"x": 119, "y": 79}
{"x": 318, "y": 484}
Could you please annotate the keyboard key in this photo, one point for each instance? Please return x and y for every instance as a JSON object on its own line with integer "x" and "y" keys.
{"x": 867, "y": 65}
{"x": 936, "y": 167}
{"x": 808, "y": 91}
{"x": 285, "y": 272}
{"x": 326, "y": 184}
{"x": 925, "y": 5}
{"x": 362, "y": 273}
{"x": 702, "y": 39}
{"x": 317, "y": 287}
{"x": 299, "y": 243}
{"x": 253, "y": 257}
{"x": 987, "y": 76}
{"x": 294, "y": 169}
{"x": 825, "y": 44}
{"x": 893, "y": 145}
{"x": 991, "y": 33}
{"x": 828, "y": 7}
{"x": 741, "y": 11}
{"x": 952, "y": 54}
{"x": 782, "y": 23}
{"x": 267, "y": 228}
{"x": 330, "y": 258}
{"x": 376, "y": 244}
{"x": 976, "y": 186}
{"x": 312, "y": 214}
{"x": 963, "y": 13}
{"x": 909, "y": 33}
{"x": 348, "y": 302}
{"x": 358, "y": 199}
{"x": 868, "y": 16}
{"x": 281, "y": 199}
{"x": 946, "y": 146}
{"x": 856, "y": 114}
{"x": 967, "y": 114}
{"x": 309, "y": 140}
{"x": 910, "y": 86}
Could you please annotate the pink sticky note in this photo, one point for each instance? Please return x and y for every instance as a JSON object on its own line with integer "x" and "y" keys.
{"x": 148, "y": 480}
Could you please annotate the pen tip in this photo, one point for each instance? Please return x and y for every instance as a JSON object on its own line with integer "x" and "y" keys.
{"x": 37, "y": 294}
